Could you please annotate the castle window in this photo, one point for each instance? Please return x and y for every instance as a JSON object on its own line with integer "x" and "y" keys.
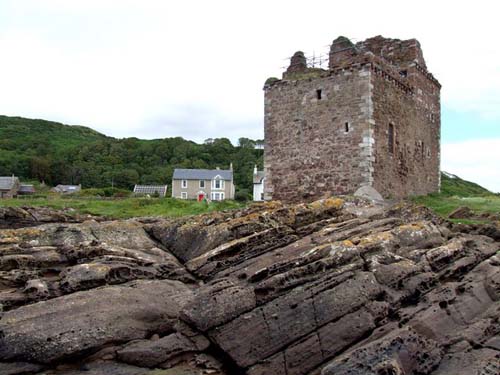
{"x": 318, "y": 94}
{"x": 390, "y": 139}
{"x": 403, "y": 73}
{"x": 346, "y": 125}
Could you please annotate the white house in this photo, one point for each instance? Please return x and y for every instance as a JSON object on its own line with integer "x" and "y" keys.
{"x": 199, "y": 184}
{"x": 259, "y": 180}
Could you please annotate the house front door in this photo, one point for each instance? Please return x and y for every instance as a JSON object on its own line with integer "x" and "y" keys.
{"x": 201, "y": 197}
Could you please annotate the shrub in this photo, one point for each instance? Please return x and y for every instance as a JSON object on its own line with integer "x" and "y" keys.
{"x": 243, "y": 195}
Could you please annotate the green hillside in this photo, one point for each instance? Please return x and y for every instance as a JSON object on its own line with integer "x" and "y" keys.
{"x": 452, "y": 185}
{"x": 26, "y": 135}
{"x": 61, "y": 154}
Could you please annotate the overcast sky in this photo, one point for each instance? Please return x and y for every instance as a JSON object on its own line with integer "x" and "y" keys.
{"x": 196, "y": 69}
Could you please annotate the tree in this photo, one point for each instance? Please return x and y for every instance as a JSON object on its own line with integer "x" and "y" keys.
{"x": 246, "y": 143}
{"x": 40, "y": 169}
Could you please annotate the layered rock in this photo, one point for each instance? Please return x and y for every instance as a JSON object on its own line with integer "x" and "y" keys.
{"x": 17, "y": 217}
{"x": 332, "y": 287}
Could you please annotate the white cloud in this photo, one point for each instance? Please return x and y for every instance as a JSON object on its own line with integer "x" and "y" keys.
{"x": 476, "y": 160}
{"x": 113, "y": 64}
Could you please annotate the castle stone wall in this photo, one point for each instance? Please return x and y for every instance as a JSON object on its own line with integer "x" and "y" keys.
{"x": 317, "y": 146}
{"x": 412, "y": 168}
{"x": 327, "y": 131}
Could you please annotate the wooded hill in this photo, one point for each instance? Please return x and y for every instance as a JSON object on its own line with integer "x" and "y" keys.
{"x": 60, "y": 154}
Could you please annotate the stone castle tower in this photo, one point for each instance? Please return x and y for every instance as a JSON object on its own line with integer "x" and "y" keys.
{"x": 371, "y": 119}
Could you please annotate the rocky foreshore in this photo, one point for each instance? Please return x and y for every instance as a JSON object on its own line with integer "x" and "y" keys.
{"x": 334, "y": 287}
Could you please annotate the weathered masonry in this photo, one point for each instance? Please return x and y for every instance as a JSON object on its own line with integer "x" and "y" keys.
{"x": 371, "y": 119}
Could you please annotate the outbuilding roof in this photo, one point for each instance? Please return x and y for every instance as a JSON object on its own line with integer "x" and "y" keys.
{"x": 7, "y": 183}
{"x": 67, "y": 189}
{"x": 202, "y": 174}
{"x": 27, "y": 189}
{"x": 151, "y": 189}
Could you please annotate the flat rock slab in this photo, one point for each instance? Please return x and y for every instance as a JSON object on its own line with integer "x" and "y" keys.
{"x": 48, "y": 331}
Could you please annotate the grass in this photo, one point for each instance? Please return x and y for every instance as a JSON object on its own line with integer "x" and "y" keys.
{"x": 444, "y": 205}
{"x": 127, "y": 207}
{"x": 456, "y": 193}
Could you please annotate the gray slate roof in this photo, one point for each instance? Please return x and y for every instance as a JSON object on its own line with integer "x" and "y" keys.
{"x": 202, "y": 174}
{"x": 257, "y": 178}
{"x": 7, "y": 183}
{"x": 27, "y": 189}
{"x": 67, "y": 188}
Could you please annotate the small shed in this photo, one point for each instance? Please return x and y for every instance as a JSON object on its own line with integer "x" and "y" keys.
{"x": 9, "y": 187}
{"x": 25, "y": 189}
{"x": 161, "y": 190}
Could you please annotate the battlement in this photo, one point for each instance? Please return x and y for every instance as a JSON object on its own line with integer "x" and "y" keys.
{"x": 395, "y": 59}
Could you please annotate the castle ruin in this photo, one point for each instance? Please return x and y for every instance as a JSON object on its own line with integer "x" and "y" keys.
{"x": 371, "y": 119}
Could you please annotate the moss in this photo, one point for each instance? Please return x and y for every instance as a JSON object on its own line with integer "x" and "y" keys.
{"x": 271, "y": 80}
{"x": 309, "y": 73}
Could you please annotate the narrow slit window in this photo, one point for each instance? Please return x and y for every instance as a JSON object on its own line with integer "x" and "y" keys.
{"x": 318, "y": 94}
{"x": 391, "y": 139}
{"x": 346, "y": 127}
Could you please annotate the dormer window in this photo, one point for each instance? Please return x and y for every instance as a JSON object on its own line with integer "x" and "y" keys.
{"x": 218, "y": 183}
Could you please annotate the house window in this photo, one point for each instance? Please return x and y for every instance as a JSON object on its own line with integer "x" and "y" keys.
{"x": 217, "y": 196}
{"x": 184, "y": 195}
{"x": 390, "y": 139}
{"x": 202, "y": 183}
{"x": 318, "y": 94}
{"x": 218, "y": 184}
{"x": 346, "y": 127}
{"x": 184, "y": 184}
